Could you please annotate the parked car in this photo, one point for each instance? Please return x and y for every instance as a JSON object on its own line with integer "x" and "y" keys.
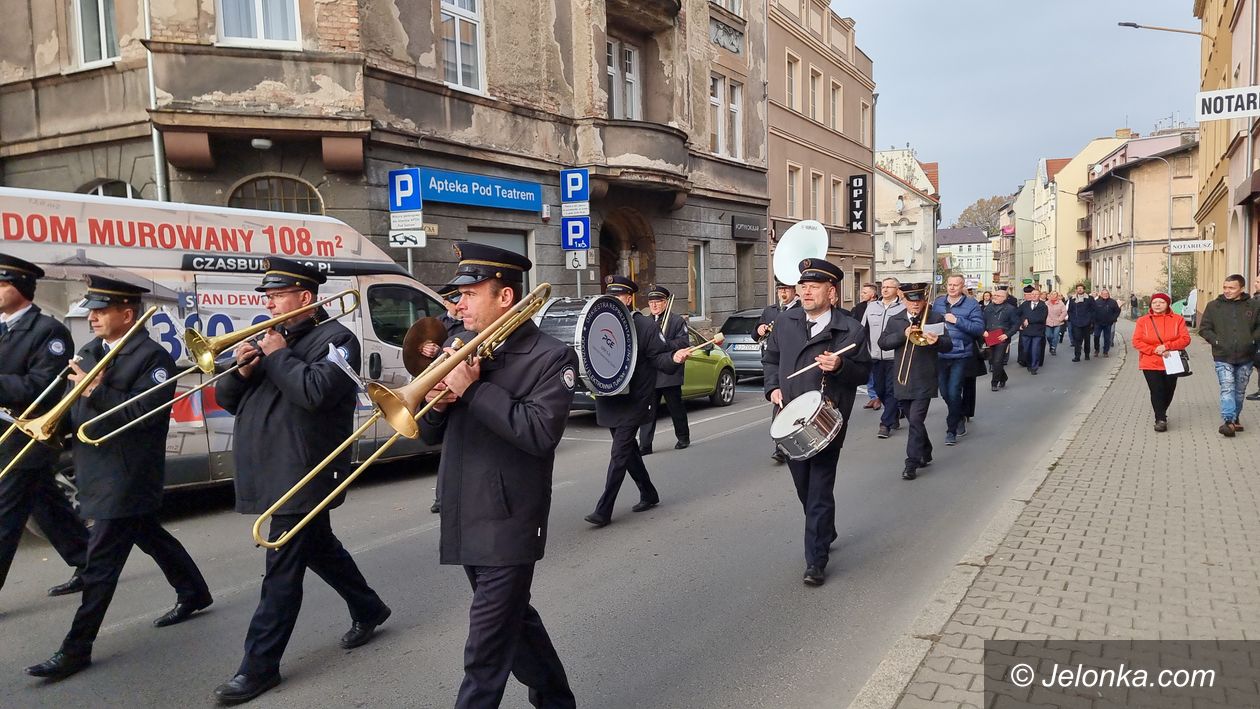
{"x": 708, "y": 372}
{"x": 745, "y": 352}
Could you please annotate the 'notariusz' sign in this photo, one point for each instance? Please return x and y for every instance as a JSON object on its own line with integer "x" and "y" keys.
{"x": 1239, "y": 102}
{"x": 479, "y": 190}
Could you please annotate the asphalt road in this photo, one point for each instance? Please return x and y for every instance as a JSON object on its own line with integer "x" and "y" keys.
{"x": 697, "y": 603}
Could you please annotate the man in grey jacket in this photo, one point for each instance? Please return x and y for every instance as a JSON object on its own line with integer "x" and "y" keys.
{"x": 875, "y": 318}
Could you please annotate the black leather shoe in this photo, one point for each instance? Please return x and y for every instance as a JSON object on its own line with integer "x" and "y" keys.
{"x": 361, "y": 632}
{"x": 182, "y": 611}
{"x": 643, "y": 505}
{"x": 436, "y": 507}
{"x": 74, "y": 585}
{"x": 778, "y": 457}
{"x": 993, "y": 387}
{"x": 682, "y": 443}
{"x": 597, "y": 520}
{"x": 1253, "y": 397}
{"x": 909, "y": 473}
{"x": 242, "y": 688}
{"x": 814, "y": 576}
{"x": 59, "y": 666}
{"x": 645, "y": 450}
{"x": 925, "y": 462}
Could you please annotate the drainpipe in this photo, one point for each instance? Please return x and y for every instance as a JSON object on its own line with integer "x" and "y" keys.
{"x": 1251, "y": 125}
{"x": 159, "y": 150}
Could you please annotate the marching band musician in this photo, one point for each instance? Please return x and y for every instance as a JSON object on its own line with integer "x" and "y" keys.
{"x": 625, "y": 413}
{"x": 121, "y": 480}
{"x": 667, "y": 385}
{"x": 785, "y": 300}
{"x": 499, "y": 424}
{"x": 815, "y": 332}
{"x": 293, "y": 406}
{"x": 916, "y": 383}
{"x": 33, "y": 349}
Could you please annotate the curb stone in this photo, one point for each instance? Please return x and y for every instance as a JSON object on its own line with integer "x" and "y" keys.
{"x": 887, "y": 684}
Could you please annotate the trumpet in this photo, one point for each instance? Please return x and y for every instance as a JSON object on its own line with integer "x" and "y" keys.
{"x": 204, "y": 351}
{"x": 43, "y": 428}
{"x": 401, "y": 409}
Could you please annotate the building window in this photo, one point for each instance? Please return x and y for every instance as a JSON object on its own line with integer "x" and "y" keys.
{"x": 260, "y": 22}
{"x": 837, "y": 108}
{"x": 837, "y": 201}
{"x": 816, "y": 196}
{"x": 815, "y": 94}
{"x": 461, "y": 43}
{"x": 695, "y": 279}
{"x": 114, "y": 188}
{"x": 625, "y": 90}
{"x": 793, "y": 72}
{"x": 98, "y": 40}
{"x": 793, "y": 190}
{"x": 277, "y": 193}
{"x": 815, "y": 19}
{"x": 864, "y": 126}
{"x": 734, "y": 120}
{"x": 716, "y": 90}
{"x": 732, "y": 5}
{"x": 1120, "y": 216}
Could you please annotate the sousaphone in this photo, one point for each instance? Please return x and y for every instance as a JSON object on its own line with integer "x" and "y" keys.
{"x": 807, "y": 239}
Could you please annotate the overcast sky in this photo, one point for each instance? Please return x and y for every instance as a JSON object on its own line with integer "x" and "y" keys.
{"x": 986, "y": 87}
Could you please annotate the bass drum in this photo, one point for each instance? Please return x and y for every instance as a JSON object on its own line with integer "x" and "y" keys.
{"x": 607, "y": 346}
{"x": 808, "y": 424}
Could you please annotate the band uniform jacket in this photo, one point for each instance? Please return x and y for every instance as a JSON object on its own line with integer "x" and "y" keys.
{"x": 32, "y": 353}
{"x": 676, "y": 338}
{"x": 498, "y": 450}
{"x": 1036, "y": 318}
{"x": 921, "y": 380}
{"x": 790, "y": 348}
{"x": 123, "y": 477}
{"x": 637, "y": 404}
{"x": 771, "y": 312}
{"x": 295, "y": 408}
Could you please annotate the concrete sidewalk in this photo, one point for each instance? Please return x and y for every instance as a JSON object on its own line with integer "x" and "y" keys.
{"x": 1126, "y": 534}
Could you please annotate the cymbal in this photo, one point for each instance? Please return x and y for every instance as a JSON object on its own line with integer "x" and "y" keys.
{"x": 424, "y": 330}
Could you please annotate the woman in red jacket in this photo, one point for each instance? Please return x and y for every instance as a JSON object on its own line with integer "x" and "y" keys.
{"x": 1159, "y": 334}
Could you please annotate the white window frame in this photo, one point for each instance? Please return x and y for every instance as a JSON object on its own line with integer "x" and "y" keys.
{"x": 864, "y": 123}
{"x": 105, "y": 60}
{"x": 816, "y": 197}
{"x": 837, "y": 199}
{"x": 837, "y": 107}
{"x": 793, "y": 70}
{"x": 734, "y": 117}
{"x": 815, "y": 88}
{"x": 473, "y": 18}
{"x": 624, "y": 86}
{"x": 258, "y": 42}
{"x": 99, "y": 190}
{"x": 700, "y": 306}
{"x": 717, "y": 90}
{"x": 732, "y": 6}
{"x": 794, "y": 190}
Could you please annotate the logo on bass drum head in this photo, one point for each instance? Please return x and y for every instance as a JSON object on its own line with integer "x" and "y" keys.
{"x": 606, "y": 345}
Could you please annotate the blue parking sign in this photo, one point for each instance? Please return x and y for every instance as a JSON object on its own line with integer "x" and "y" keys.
{"x": 575, "y": 233}
{"x": 575, "y": 185}
{"x": 404, "y": 190}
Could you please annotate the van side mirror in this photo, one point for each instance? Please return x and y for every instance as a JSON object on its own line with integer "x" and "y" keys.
{"x": 374, "y": 365}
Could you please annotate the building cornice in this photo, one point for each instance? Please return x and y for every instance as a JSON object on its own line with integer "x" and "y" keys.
{"x": 792, "y": 26}
{"x": 817, "y": 124}
{"x": 128, "y": 131}
{"x": 779, "y": 133}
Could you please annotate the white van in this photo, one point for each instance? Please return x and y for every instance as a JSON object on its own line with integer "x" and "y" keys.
{"x": 202, "y": 264}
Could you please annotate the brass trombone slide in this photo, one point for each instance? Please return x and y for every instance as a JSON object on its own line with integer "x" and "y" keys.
{"x": 204, "y": 351}
{"x": 914, "y": 339}
{"x": 43, "y": 428}
{"x": 401, "y": 409}
{"x": 669, "y": 308}
{"x": 53, "y": 386}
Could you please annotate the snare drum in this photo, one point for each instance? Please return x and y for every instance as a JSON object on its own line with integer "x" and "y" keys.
{"x": 806, "y": 425}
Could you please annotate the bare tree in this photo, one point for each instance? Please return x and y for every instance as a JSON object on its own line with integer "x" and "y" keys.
{"x": 984, "y": 213}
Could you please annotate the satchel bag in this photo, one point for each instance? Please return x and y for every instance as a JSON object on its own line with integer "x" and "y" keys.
{"x": 1185, "y": 357}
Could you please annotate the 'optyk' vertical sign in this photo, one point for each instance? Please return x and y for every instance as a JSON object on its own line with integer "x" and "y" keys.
{"x": 858, "y": 203}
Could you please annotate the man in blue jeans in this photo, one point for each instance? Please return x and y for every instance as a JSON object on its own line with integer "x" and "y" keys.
{"x": 964, "y": 322}
{"x": 1106, "y": 313}
{"x": 1231, "y": 325}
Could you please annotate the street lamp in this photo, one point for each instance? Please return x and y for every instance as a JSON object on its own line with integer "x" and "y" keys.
{"x": 1170, "y": 223}
{"x": 1136, "y": 26}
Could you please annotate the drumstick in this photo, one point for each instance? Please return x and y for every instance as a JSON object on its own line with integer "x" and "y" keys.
{"x": 718, "y": 339}
{"x": 802, "y": 370}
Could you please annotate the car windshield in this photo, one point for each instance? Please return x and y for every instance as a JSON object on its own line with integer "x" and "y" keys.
{"x": 560, "y": 320}
{"x": 739, "y": 325}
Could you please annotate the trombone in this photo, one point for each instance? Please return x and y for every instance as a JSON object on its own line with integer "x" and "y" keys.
{"x": 669, "y": 308}
{"x": 401, "y": 409}
{"x": 204, "y": 351}
{"x": 43, "y": 428}
{"x": 915, "y": 338}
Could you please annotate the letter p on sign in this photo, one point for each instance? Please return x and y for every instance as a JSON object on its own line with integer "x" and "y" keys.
{"x": 404, "y": 190}
{"x": 575, "y": 185}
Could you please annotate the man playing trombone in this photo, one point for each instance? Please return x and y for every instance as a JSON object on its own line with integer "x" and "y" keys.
{"x": 120, "y": 481}
{"x": 33, "y": 349}
{"x": 499, "y": 422}
{"x": 814, "y": 334}
{"x": 293, "y": 405}
{"x": 674, "y": 328}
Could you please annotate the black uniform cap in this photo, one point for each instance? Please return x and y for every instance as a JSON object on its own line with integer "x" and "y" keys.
{"x": 481, "y": 262}
{"x": 914, "y": 292}
{"x": 617, "y": 285}
{"x": 103, "y": 292}
{"x": 1029, "y": 288}
{"x": 780, "y": 284}
{"x": 1003, "y": 288}
{"x": 284, "y": 273}
{"x": 13, "y": 268}
{"x": 820, "y": 271}
{"x": 656, "y": 292}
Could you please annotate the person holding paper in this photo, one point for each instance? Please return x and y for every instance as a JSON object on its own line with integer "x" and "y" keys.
{"x": 1158, "y": 336}
{"x": 1000, "y": 322}
{"x": 916, "y": 381}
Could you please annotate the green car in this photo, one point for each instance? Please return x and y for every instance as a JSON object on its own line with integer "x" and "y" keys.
{"x": 708, "y": 372}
